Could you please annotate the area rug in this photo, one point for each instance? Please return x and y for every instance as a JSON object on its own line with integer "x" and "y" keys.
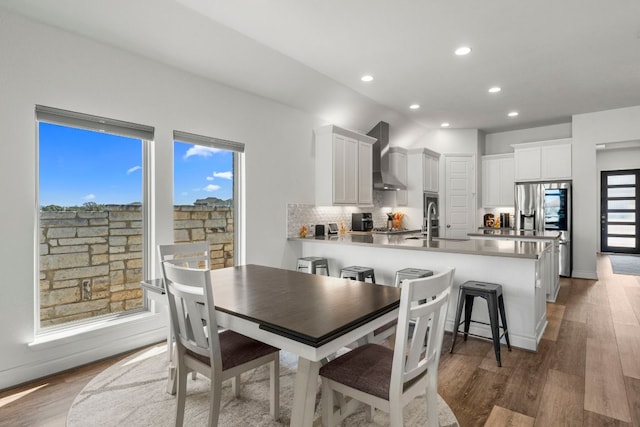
{"x": 133, "y": 393}
{"x": 625, "y": 264}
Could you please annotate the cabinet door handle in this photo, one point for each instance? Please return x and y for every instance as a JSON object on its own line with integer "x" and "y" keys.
{"x": 448, "y": 225}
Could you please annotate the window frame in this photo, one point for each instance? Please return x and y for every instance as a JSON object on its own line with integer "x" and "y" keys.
{"x": 146, "y": 135}
{"x": 239, "y": 217}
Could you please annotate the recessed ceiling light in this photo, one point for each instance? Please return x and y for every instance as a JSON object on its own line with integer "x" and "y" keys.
{"x": 445, "y": 125}
{"x": 463, "y": 50}
{"x": 495, "y": 89}
{"x": 513, "y": 114}
{"x": 414, "y": 106}
{"x": 366, "y": 78}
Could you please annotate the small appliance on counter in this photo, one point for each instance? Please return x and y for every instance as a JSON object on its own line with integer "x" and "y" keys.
{"x": 333, "y": 228}
{"x": 319, "y": 231}
{"x": 362, "y": 221}
{"x": 504, "y": 220}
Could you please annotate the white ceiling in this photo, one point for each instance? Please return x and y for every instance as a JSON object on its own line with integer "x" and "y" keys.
{"x": 551, "y": 58}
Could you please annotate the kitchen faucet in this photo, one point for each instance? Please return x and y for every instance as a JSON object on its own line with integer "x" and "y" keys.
{"x": 431, "y": 208}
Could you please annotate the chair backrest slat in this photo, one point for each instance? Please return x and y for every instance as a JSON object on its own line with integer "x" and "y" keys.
{"x": 412, "y": 357}
{"x": 192, "y": 309}
{"x": 194, "y": 255}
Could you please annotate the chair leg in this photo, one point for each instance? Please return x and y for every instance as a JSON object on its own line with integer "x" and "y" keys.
{"x": 214, "y": 401}
{"x": 432, "y": 401}
{"x": 194, "y": 374}
{"x": 327, "y": 405}
{"x": 369, "y": 411}
{"x": 395, "y": 413}
{"x": 274, "y": 387}
{"x": 181, "y": 380}
{"x": 235, "y": 386}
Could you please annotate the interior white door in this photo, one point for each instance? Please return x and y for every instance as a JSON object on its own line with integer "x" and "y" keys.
{"x": 460, "y": 196}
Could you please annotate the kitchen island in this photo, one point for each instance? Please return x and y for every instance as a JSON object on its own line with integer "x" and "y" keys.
{"x": 520, "y": 267}
{"x": 553, "y": 237}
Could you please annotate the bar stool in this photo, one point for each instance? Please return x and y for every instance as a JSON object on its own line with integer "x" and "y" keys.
{"x": 492, "y": 293}
{"x": 312, "y": 264}
{"x": 358, "y": 273}
{"x": 410, "y": 273}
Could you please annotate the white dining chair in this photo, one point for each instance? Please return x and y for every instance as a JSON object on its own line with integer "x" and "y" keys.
{"x": 388, "y": 379}
{"x": 203, "y": 348}
{"x": 194, "y": 255}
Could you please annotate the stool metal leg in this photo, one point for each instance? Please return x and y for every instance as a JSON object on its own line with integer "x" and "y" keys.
{"x": 456, "y": 325}
{"x": 504, "y": 321}
{"x": 468, "y": 308}
{"x": 495, "y": 328}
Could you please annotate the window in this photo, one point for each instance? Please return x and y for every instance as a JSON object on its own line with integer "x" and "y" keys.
{"x": 92, "y": 216}
{"x": 206, "y": 196}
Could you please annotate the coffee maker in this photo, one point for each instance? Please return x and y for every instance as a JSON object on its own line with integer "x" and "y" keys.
{"x": 362, "y": 221}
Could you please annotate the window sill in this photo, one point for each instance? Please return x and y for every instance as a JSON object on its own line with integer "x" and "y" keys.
{"x": 144, "y": 321}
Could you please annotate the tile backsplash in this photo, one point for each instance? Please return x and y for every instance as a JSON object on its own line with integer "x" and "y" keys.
{"x": 303, "y": 214}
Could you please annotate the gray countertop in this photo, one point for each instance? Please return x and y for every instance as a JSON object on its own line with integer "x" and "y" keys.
{"x": 485, "y": 247}
{"x": 511, "y": 233}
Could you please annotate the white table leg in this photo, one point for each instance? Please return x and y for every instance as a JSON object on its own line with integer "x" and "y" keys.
{"x": 171, "y": 377}
{"x": 304, "y": 396}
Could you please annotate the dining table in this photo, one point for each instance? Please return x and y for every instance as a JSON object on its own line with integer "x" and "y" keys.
{"x": 309, "y": 315}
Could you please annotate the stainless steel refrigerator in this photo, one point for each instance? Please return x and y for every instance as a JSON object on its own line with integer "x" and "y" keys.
{"x": 547, "y": 206}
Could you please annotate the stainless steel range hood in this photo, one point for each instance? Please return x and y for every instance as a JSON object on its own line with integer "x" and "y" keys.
{"x": 383, "y": 179}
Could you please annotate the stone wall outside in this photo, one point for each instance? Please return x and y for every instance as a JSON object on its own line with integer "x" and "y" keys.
{"x": 91, "y": 262}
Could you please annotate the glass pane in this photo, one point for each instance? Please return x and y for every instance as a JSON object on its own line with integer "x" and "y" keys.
{"x": 621, "y": 204}
{"x": 621, "y": 216}
{"x": 621, "y": 229}
{"x": 621, "y": 192}
{"x": 90, "y": 194}
{"x": 621, "y": 179}
{"x": 621, "y": 242}
{"x": 203, "y": 199}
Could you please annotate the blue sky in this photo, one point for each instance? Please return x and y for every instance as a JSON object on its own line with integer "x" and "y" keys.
{"x": 79, "y": 166}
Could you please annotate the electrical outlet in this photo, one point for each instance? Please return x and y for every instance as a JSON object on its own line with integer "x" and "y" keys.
{"x": 86, "y": 290}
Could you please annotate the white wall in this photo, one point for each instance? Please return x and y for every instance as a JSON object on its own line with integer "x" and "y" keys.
{"x": 47, "y": 66}
{"x": 500, "y": 142}
{"x": 609, "y": 126}
{"x": 613, "y": 159}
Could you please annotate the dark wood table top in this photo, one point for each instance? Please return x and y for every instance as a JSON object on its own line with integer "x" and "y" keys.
{"x": 307, "y": 308}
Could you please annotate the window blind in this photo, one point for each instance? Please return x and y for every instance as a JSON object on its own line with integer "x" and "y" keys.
{"x": 95, "y": 123}
{"x": 222, "y": 144}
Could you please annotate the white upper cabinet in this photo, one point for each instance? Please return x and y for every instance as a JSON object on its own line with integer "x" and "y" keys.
{"x": 398, "y": 166}
{"x": 344, "y": 167}
{"x": 431, "y": 170}
{"x": 497, "y": 180}
{"x": 541, "y": 161}
{"x": 426, "y": 166}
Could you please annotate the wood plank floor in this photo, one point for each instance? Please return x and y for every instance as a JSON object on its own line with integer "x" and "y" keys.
{"x": 586, "y": 372}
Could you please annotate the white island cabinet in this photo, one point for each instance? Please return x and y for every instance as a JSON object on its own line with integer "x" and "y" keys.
{"x": 344, "y": 167}
{"x": 520, "y": 267}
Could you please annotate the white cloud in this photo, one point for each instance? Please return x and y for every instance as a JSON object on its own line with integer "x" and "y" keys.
{"x": 133, "y": 169}
{"x": 211, "y": 187}
{"x": 209, "y": 178}
{"x": 224, "y": 175}
{"x": 200, "y": 150}
{"x": 90, "y": 196}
